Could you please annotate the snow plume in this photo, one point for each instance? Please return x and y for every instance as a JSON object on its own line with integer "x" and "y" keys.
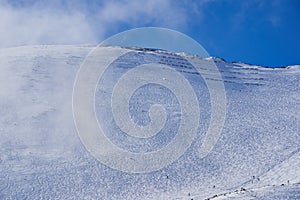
{"x": 74, "y": 22}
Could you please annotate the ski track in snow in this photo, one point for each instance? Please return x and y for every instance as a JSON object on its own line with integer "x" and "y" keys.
{"x": 41, "y": 156}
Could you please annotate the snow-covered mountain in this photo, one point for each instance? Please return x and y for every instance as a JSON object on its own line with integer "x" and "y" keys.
{"x": 41, "y": 156}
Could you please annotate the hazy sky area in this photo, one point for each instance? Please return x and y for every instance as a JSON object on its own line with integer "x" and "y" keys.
{"x": 261, "y": 32}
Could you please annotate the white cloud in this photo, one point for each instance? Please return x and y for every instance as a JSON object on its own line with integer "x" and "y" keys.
{"x": 136, "y": 11}
{"x": 20, "y": 26}
{"x": 69, "y": 23}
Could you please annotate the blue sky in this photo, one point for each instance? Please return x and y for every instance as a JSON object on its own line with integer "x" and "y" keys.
{"x": 261, "y": 32}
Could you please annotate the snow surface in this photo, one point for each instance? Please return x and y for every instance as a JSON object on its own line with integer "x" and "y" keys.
{"x": 42, "y": 157}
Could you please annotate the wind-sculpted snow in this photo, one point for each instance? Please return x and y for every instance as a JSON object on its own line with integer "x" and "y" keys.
{"x": 42, "y": 156}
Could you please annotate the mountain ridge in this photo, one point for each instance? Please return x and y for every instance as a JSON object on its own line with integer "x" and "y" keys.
{"x": 215, "y": 58}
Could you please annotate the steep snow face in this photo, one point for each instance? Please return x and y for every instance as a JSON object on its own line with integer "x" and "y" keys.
{"x": 41, "y": 155}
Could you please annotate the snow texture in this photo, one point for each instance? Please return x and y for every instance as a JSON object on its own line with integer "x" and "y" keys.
{"x": 42, "y": 157}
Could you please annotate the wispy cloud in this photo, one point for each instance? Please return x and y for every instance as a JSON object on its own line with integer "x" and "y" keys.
{"x": 269, "y": 12}
{"x": 66, "y": 22}
{"x": 33, "y": 25}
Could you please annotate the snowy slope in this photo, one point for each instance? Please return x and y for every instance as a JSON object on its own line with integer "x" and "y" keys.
{"x": 42, "y": 157}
